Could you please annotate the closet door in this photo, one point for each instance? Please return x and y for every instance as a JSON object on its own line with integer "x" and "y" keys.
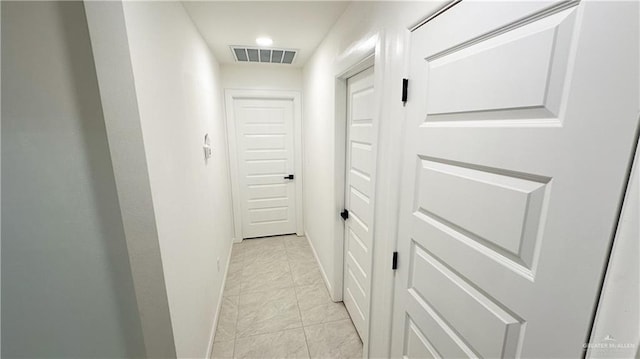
{"x": 522, "y": 119}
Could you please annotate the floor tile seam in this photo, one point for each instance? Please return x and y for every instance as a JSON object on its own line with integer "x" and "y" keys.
{"x": 295, "y": 291}
{"x": 241, "y": 291}
{"x": 293, "y": 285}
{"x": 318, "y": 283}
{"x": 304, "y": 261}
{"x": 244, "y": 262}
{"x": 328, "y": 322}
{"x": 269, "y": 332}
{"x": 258, "y": 264}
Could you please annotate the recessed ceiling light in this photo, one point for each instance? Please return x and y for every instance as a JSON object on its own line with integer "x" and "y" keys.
{"x": 264, "y": 41}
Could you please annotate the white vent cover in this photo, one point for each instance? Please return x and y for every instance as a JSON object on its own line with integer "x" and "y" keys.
{"x": 264, "y": 55}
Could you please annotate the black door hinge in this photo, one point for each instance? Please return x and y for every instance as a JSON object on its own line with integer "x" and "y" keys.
{"x": 394, "y": 265}
{"x": 344, "y": 214}
{"x": 405, "y": 89}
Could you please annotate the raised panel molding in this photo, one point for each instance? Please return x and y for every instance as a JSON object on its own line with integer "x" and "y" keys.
{"x": 416, "y": 345}
{"x": 359, "y": 112}
{"x": 264, "y": 142}
{"x": 266, "y": 191}
{"x": 268, "y": 215}
{"x": 475, "y": 80}
{"x": 263, "y": 115}
{"x": 461, "y": 308}
{"x": 359, "y": 250}
{"x": 501, "y": 211}
{"x": 266, "y": 167}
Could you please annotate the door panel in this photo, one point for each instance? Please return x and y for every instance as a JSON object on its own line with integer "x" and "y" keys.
{"x": 359, "y": 197}
{"x": 462, "y": 306}
{"x": 264, "y": 130}
{"x": 521, "y": 129}
{"x": 511, "y": 207}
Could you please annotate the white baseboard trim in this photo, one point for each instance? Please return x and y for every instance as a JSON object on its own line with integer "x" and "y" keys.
{"x": 215, "y": 319}
{"x": 236, "y": 240}
{"x": 324, "y": 274}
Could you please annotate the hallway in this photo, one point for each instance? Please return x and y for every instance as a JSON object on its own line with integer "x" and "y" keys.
{"x": 276, "y": 305}
{"x": 421, "y": 179}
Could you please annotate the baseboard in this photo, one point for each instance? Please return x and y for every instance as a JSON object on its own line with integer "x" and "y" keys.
{"x": 236, "y": 240}
{"x": 220, "y": 297}
{"x": 324, "y": 274}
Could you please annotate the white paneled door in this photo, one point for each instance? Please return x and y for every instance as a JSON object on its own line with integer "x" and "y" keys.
{"x": 359, "y": 198}
{"x": 521, "y": 125}
{"x": 265, "y": 156}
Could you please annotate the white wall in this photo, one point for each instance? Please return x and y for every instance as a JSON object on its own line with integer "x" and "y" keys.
{"x": 261, "y": 76}
{"x": 67, "y": 288}
{"x": 353, "y": 33}
{"x": 178, "y": 86}
{"x": 112, "y": 58}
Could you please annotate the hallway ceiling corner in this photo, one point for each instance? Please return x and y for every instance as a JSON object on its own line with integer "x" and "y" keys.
{"x": 297, "y": 25}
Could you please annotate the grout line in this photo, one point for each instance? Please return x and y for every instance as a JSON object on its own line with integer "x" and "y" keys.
{"x": 300, "y": 327}
{"x": 241, "y": 292}
{"x": 266, "y": 290}
{"x": 270, "y": 332}
{"x": 329, "y": 322}
{"x": 306, "y": 342}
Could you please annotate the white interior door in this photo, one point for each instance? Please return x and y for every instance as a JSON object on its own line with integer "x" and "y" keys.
{"x": 522, "y": 117}
{"x": 359, "y": 197}
{"x": 265, "y": 155}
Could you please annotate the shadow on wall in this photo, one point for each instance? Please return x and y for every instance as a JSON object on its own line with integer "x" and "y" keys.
{"x": 96, "y": 147}
{"x": 66, "y": 282}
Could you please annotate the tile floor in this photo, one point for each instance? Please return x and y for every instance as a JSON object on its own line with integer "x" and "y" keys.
{"x": 276, "y": 305}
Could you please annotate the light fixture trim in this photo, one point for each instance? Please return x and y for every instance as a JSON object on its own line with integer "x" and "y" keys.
{"x": 264, "y": 41}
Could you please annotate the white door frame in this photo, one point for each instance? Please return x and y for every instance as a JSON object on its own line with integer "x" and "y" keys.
{"x": 234, "y": 94}
{"x": 362, "y": 55}
{"x": 365, "y": 60}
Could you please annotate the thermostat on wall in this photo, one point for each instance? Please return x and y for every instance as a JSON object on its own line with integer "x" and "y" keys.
{"x": 207, "y": 147}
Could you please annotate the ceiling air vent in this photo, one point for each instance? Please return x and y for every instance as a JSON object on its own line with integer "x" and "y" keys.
{"x": 263, "y": 55}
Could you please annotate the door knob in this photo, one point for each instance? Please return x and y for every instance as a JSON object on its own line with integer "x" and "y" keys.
{"x": 289, "y": 177}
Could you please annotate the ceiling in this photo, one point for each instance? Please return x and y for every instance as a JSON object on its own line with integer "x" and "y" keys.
{"x": 299, "y": 25}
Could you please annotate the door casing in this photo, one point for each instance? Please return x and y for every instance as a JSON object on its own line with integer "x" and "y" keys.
{"x": 362, "y": 55}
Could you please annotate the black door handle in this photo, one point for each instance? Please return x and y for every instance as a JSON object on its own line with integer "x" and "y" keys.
{"x": 344, "y": 214}
{"x": 289, "y": 177}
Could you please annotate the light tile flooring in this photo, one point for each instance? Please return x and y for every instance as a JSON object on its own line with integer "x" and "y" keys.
{"x": 276, "y": 305}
